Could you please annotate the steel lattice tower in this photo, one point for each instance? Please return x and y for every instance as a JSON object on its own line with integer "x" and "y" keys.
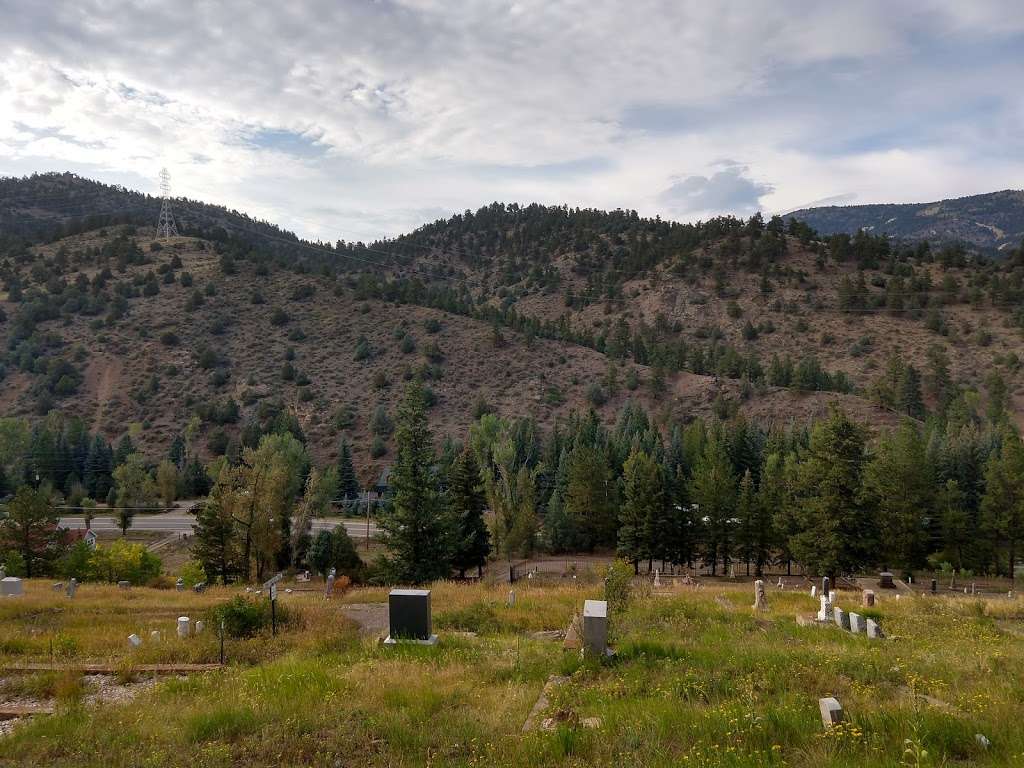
{"x": 165, "y": 226}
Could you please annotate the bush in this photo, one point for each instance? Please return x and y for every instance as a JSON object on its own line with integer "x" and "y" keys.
{"x": 618, "y": 585}
{"x": 244, "y": 618}
{"x": 193, "y": 573}
{"x": 278, "y": 317}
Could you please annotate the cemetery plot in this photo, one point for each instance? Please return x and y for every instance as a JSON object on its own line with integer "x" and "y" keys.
{"x": 691, "y": 682}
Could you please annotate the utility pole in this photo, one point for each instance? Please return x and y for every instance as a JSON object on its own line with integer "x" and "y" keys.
{"x": 165, "y": 225}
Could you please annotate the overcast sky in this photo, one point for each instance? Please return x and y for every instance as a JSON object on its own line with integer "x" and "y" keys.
{"x": 354, "y": 119}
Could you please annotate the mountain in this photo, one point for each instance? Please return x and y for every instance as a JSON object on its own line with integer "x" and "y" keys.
{"x": 993, "y": 221}
{"x": 529, "y": 311}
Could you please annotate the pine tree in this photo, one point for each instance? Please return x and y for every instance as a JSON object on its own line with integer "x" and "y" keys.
{"x": 910, "y": 400}
{"x": 589, "y": 497}
{"x": 642, "y": 516}
{"x": 713, "y": 490}
{"x": 746, "y": 513}
{"x": 836, "y": 532}
{"x": 416, "y": 530}
{"x": 1002, "y": 506}
{"x": 472, "y": 540}
{"x": 348, "y": 483}
{"x": 216, "y": 541}
{"x": 899, "y": 486}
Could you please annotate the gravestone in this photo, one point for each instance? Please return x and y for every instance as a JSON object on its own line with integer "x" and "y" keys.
{"x": 3, "y": 572}
{"x": 885, "y": 580}
{"x": 329, "y": 587}
{"x": 134, "y": 640}
{"x": 72, "y": 587}
{"x": 826, "y": 585}
{"x": 868, "y": 598}
{"x": 180, "y": 584}
{"x": 874, "y": 631}
{"x": 511, "y": 601}
{"x": 58, "y": 586}
{"x": 155, "y": 635}
{"x": 124, "y": 585}
{"x": 657, "y": 578}
{"x": 183, "y": 626}
{"x": 199, "y": 588}
{"x": 760, "y": 601}
{"x": 831, "y": 712}
{"x": 825, "y": 614}
{"x": 595, "y": 626}
{"x": 832, "y": 596}
{"x": 409, "y": 617}
{"x": 856, "y": 623}
{"x": 814, "y": 590}
{"x": 842, "y": 619}
{"x": 935, "y": 586}
{"x": 200, "y": 626}
{"x": 10, "y": 586}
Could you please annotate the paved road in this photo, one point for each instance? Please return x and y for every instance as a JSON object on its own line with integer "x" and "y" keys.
{"x": 174, "y": 522}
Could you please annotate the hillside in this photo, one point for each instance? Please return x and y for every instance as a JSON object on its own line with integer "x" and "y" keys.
{"x": 993, "y": 221}
{"x": 532, "y": 311}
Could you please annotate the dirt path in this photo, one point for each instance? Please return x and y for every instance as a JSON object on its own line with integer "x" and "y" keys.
{"x": 372, "y": 618}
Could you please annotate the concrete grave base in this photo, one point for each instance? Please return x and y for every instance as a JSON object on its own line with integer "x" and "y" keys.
{"x": 389, "y": 640}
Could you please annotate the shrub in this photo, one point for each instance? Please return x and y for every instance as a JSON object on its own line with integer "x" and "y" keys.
{"x": 596, "y": 395}
{"x": 618, "y": 585}
{"x": 278, "y": 317}
{"x": 243, "y": 617}
{"x": 379, "y": 447}
{"x": 169, "y": 339}
{"x": 193, "y": 573}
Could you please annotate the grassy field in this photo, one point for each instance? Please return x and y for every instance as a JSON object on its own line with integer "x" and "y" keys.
{"x": 698, "y": 680}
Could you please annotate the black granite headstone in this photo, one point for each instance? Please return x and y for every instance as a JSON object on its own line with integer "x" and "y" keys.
{"x": 409, "y": 614}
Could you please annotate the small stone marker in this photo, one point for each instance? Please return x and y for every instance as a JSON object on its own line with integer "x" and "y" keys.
{"x": 760, "y": 601}
{"x": 874, "y": 631}
{"x": 11, "y": 586}
{"x": 595, "y": 626}
{"x": 826, "y": 585}
{"x": 200, "y": 626}
{"x": 982, "y": 740}
{"x": 511, "y": 601}
{"x": 885, "y": 580}
{"x": 831, "y": 712}
{"x": 832, "y": 596}
{"x": 856, "y": 623}
{"x": 180, "y": 584}
{"x": 814, "y": 590}
{"x": 155, "y": 635}
{"x": 409, "y": 617}
{"x": 825, "y": 614}
{"x": 199, "y": 588}
{"x": 842, "y": 619}
{"x": 935, "y": 586}
{"x": 72, "y": 587}
{"x": 134, "y": 640}
{"x": 657, "y": 578}
{"x": 58, "y": 586}
{"x": 868, "y": 598}
{"x": 329, "y": 588}
{"x": 183, "y": 626}
{"x": 124, "y": 585}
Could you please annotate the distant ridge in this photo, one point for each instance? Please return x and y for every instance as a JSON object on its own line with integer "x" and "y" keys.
{"x": 992, "y": 221}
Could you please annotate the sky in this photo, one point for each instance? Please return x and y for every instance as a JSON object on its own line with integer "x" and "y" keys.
{"x": 352, "y": 119}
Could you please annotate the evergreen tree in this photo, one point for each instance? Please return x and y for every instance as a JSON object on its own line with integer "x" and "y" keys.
{"x": 910, "y": 400}
{"x": 416, "y": 530}
{"x": 216, "y": 542}
{"x": 899, "y": 486}
{"x": 643, "y": 509}
{"x": 1003, "y": 503}
{"x": 348, "y": 483}
{"x": 472, "y": 540}
{"x": 29, "y": 528}
{"x": 590, "y": 497}
{"x": 836, "y": 532}
{"x": 320, "y": 553}
{"x": 713, "y": 490}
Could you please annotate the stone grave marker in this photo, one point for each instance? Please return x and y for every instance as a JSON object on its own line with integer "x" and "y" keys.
{"x": 124, "y": 585}
{"x": 885, "y": 580}
{"x": 72, "y": 587}
{"x": 832, "y": 596}
{"x": 180, "y": 584}
{"x": 814, "y": 590}
{"x": 874, "y": 631}
{"x": 831, "y": 712}
{"x": 868, "y": 598}
{"x": 842, "y": 619}
{"x": 409, "y": 617}
{"x": 657, "y": 578}
{"x": 199, "y": 588}
{"x": 825, "y": 614}
{"x": 200, "y": 626}
{"x": 184, "y": 626}
{"x": 155, "y": 635}
{"x": 826, "y": 585}
{"x": 857, "y": 623}
{"x": 58, "y": 586}
{"x": 935, "y": 586}
{"x": 134, "y": 640}
{"x": 595, "y": 626}
{"x": 511, "y": 601}
{"x": 11, "y": 586}
{"x": 760, "y": 601}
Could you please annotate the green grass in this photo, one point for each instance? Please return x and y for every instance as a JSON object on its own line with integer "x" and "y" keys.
{"x": 694, "y": 683}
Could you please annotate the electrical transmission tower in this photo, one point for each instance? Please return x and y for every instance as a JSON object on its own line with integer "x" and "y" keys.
{"x": 165, "y": 226}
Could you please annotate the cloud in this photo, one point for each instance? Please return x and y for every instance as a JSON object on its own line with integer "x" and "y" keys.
{"x": 730, "y": 190}
{"x": 382, "y": 110}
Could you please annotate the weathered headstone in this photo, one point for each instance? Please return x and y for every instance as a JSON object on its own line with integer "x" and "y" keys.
{"x": 58, "y": 586}
{"x": 842, "y": 619}
{"x": 409, "y": 616}
{"x": 511, "y": 601}
{"x": 935, "y": 586}
{"x": 124, "y": 585}
{"x": 831, "y": 711}
{"x": 885, "y": 580}
{"x": 72, "y": 587}
{"x": 826, "y": 585}
{"x": 329, "y": 587}
{"x": 11, "y": 586}
{"x": 760, "y": 601}
{"x": 199, "y": 588}
{"x": 825, "y": 614}
{"x": 184, "y": 626}
{"x": 595, "y": 626}
{"x": 180, "y": 584}
{"x": 814, "y": 590}
{"x": 868, "y": 598}
{"x": 874, "y": 631}
{"x": 657, "y": 578}
{"x": 134, "y": 640}
{"x": 982, "y": 740}
{"x": 856, "y": 623}
{"x": 200, "y": 626}
{"x": 155, "y": 635}
{"x": 832, "y": 596}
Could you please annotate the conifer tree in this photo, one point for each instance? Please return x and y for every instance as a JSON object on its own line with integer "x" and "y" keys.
{"x": 416, "y": 530}
{"x": 215, "y": 542}
{"x": 472, "y": 540}
{"x": 642, "y": 516}
{"x": 348, "y": 483}
{"x": 1002, "y": 506}
{"x": 713, "y": 490}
